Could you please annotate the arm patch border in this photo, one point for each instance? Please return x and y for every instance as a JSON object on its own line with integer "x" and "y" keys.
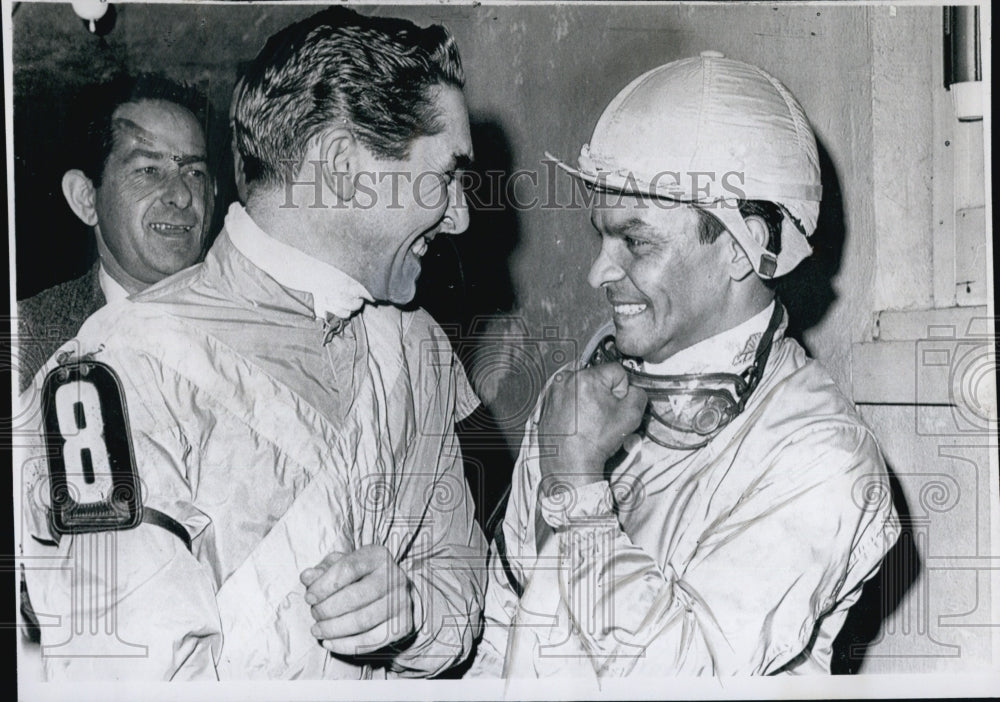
{"x": 122, "y": 507}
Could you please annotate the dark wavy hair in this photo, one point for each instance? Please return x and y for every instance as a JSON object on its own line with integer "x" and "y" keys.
{"x": 375, "y": 75}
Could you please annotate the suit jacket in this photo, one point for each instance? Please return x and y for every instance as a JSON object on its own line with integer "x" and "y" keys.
{"x": 52, "y": 317}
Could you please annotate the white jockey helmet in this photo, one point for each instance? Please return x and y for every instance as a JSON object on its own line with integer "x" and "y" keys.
{"x": 711, "y": 131}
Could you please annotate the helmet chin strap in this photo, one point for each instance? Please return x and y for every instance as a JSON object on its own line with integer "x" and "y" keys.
{"x": 687, "y": 411}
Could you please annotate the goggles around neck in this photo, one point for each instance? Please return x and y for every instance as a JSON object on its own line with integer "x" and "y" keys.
{"x": 689, "y": 410}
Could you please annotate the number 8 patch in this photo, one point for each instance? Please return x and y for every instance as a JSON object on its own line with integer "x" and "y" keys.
{"x": 94, "y": 485}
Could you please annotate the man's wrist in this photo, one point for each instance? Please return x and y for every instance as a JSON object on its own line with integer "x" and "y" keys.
{"x": 557, "y": 480}
{"x": 417, "y": 617}
{"x": 569, "y": 468}
{"x": 587, "y": 504}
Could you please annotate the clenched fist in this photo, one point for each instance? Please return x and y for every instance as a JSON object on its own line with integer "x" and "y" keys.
{"x": 586, "y": 416}
{"x": 361, "y": 601}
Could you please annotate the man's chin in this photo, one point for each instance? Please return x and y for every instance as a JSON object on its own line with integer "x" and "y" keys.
{"x": 173, "y": 255}
{"x": 169, "y": 268}
{"x": 402, "y": 295}
{"x": 630, "y": 344}
{"x": 403, "y": 287}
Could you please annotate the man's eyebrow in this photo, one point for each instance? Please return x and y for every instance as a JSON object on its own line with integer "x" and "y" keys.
{"x": 161, "y": 156}
{"x": 632, "y": 225}
{"x": 147, "y": 138}
{"x": 189, "y": 159}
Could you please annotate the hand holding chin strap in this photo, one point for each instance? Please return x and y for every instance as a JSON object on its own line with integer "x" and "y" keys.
{"x": 687, "y": 411}
{"x": 717, "y": 398}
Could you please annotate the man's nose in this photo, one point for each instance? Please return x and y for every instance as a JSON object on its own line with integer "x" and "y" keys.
{"x": 456, "y": 217}
{"x": 177, "y": 192}
{"x": 604, "y": 270}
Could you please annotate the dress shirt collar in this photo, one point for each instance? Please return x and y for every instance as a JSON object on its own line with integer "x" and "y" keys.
{"x": 112, "y": 289}
{"x": 333, "y": 291}
{"x": 726, "y": 352}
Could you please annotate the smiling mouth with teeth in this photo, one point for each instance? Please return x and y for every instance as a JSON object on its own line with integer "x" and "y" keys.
{"x": 419, "y": 247}
{"x": 166, "y": 228}
{"x": 628, "y": 310}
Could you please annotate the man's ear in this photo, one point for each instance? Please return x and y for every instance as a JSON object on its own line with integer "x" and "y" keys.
{"x": 338, "y": 151}
{"x": 739, "y": 264}
{"x": 81, "y": 196}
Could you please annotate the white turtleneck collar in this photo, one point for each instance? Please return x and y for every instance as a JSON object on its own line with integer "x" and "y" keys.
{"x": 726, "y": 352}
{"x": 333, "y": 291}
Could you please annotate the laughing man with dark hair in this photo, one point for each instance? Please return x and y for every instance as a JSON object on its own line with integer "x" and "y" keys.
{"x": 293, "y": 429}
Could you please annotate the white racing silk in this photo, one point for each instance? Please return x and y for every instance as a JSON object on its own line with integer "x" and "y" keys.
{"x": 739, "y": 558}
{"x": 271, "y": 450}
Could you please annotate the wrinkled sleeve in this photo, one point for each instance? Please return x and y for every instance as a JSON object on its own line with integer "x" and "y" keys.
{"x": 466, "y": 399}
{"x": 804, "y": 538}
{"x": 509, "y": 548}
{"x": 499, "y": 611}
{"x": 749, "y": 600}
{"x": 445, "y": 550}
{"x": 129, "y": 605}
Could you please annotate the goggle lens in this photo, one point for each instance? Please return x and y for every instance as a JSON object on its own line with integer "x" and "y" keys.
{"x": 688, "y": 411}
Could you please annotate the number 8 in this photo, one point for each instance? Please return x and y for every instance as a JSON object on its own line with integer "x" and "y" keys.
{"x": 88, "y": 437}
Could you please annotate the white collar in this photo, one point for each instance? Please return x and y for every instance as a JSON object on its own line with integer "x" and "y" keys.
{"x": 333, "y": 291}
{"x": 729, "y": 351}
{"x": 112, "y": 289}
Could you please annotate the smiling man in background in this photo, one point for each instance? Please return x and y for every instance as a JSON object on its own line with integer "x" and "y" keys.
{"x": 144, "y": 187}
{"x": 731, "y": 533}
{"x": 305, "y": 513}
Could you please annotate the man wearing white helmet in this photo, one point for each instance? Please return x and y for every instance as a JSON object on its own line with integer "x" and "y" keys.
{"x": 698, "y": 497}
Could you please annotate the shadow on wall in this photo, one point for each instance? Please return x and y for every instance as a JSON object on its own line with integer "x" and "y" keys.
{"x": 807, "y": 292}
{"x": 468, "y": 276}
{"x": 881, "y": 595}
{"x": 466, "y": 279}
